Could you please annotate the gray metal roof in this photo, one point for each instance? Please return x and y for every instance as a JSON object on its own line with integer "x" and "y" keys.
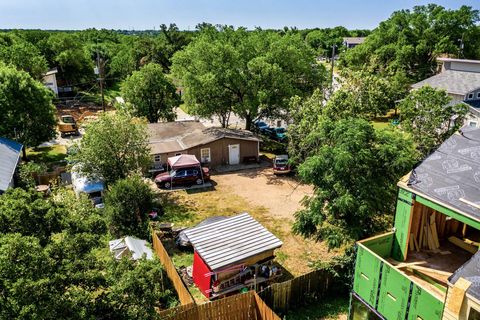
{"x": 354, "y": 40}
{"x": 9, "y": 157}
{"x": 231, "y": 240}
{"x": 453, "y": 81}
{"x": 451, "y": 174}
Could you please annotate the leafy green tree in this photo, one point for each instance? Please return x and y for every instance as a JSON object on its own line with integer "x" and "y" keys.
{"x": 253, "y": 73}
{"x": 29, "y": 214}
{"x": 362, "y": 94}
{"x": 127, "y": 205}
{"x": 354, "y": 169}
{"x": 113, "y": 147}
{"x": 410, "y": 40}
{"x": 427, "y": 114}
{"x": 23, "y": 55}
{"x": 27, "y": 114}
{"x": 150, "y": 94}
{"x": 69, "y": 54}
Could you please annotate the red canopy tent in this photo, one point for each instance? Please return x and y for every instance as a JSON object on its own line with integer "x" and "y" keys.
{"x": 183, "y": 161}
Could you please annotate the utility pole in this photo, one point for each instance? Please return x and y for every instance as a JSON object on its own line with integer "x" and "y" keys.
{"x": 460, "y": 55}
{"x": 333, "y": 65}
{"x": 99, "y": 72}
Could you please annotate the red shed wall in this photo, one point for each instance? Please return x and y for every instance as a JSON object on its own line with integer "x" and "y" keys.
{"x": 201, "y": 276}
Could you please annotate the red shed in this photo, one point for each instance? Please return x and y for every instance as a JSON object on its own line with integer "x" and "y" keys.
{"x": 232, "y": 254}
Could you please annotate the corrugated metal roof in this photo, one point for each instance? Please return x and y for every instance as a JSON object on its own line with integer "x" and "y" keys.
{"x": 231, "y": 240}
{"x": 453, "y": 81}
{"x": 9, "y": 157}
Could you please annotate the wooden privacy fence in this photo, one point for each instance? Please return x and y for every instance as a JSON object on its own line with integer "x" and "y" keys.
{"x": 285, "y": 295}
{"x": 183, "y": 294}
{"x": 244, "y": 306}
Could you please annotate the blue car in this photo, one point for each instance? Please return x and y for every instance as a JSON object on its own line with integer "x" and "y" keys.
{"x": 261, "y": 126}
{"x": 278, "y": 134}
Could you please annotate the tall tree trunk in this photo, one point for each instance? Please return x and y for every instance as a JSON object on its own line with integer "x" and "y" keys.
{"x": 24, "y": 151}
{"x": 248, "y": 121}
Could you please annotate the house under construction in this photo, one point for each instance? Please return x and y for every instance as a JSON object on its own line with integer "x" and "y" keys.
{"x": 428, "y": 267}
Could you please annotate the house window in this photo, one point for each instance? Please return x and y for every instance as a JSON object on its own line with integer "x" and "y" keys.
{"x": 157, "y": 158}
{"x": 470, "y": 96}
{"x": 473, "y": 314}
{"x": 472, "y": 124}
{"x": 205, "y": 155}
{"x": 478, "y": 95}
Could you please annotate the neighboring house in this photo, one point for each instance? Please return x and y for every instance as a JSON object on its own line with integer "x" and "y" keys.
{"x": 232, "y": 254}
{"x": 50, "y": 80}
{"x": 351, "y": 42}
{"x": 212, "y": 146}
{"x": 428, "y": 266}
{"x": 9, "y": 160}
{"x": 460, "y": 78}
{"x": 130, "y": 247}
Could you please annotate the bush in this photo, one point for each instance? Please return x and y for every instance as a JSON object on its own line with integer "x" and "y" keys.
{"x": 127, "y": 205}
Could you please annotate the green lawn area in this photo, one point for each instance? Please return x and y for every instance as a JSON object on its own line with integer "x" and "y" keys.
{"x": 330, "y": 308}
{"x": 47, "y": 155}
{"x": 384, "y": 121}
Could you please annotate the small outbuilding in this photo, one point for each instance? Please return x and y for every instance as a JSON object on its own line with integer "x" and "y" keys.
{"x": 232, "y": 254}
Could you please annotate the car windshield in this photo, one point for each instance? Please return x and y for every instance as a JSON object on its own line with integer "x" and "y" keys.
{"x": 280, "y": 130}
{"x": 261, "y": 124}
{"x": 68, "y": 120}
{"x": 281, "y": 162}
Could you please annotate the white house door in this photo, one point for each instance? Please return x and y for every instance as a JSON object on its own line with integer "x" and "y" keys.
{"x": 234, "y": 154}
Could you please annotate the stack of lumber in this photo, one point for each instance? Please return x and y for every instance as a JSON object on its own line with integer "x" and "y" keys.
{"x": 424, "y": 231}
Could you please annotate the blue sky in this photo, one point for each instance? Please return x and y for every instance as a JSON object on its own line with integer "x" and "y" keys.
{"x": 147, "y": 14}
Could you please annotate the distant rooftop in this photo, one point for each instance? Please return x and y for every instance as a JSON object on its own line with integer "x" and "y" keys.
{"x": 453, "y": 81}
{"x": 458, "y": 60}
{"x": 354, "y": 40}
{"x": 451, "y": 174}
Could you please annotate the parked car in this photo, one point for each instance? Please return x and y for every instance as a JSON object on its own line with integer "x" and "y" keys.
{"x": 261, "y": 126}
{"x": 184, "y": 176}
{"x": 281, "y": 165}
{"x": 278, "y": 134}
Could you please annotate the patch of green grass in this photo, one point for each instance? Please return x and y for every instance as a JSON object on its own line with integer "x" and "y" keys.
{"x": 378, "y": 125}
{"x": 184, "y": 108}
{"x": 47, "y": 155}
{"x": 331, "y": 308}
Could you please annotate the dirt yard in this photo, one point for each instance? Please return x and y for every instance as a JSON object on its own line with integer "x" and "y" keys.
{"x": 270, "y": 199}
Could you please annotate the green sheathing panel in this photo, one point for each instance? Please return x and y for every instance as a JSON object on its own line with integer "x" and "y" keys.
{"x": 381, "y": 245}
{"x": 402, "y": 224}
{"x": 394, "y": 292}
{"x": 423, "y": 305}
{"x": 457, "y": 216}
{"x": 367, "y": 272}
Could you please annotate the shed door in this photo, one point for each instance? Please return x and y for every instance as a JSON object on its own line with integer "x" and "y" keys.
{"x": 234, "y": 154}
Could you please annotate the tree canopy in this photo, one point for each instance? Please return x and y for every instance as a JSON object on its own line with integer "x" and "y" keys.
{"x": 410, "y": 40}
{"x": 430, "y": 117}
{"x": 127, "y": 205}
{"x": 113, "y": 147}
{"x": 66, "y": 271}
{"x": 354, "y": 169}
{"x": 27, "y": 114}
{"x": 149, "y": 93}
{"x": 252, "y": 73}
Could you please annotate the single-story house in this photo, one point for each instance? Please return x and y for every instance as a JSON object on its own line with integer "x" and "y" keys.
{"x": 9, "y": 160}
{"x": 130, "y": 247}
{"x": 351, "y": 42}
{"x": 212, "y": 146}
{"x": 232, "y": 254}
{"x": 460, "y": 78}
